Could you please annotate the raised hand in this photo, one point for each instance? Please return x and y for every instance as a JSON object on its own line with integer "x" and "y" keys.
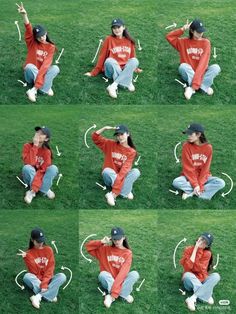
{"x": 21, "y": 8}
{"x": 106, "y": 240}
{"x": 22, "y": 253}
{"x": 187, "y": 25}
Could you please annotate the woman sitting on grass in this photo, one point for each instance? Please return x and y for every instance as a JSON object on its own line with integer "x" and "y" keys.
{"x": 38, "y": 70}
{"x": 117, "y": 168}
{"x": 196, "y": 178}
{"x": 38, "y": 171}
{"x": 39, "y": 260}
{"x": 115, "y": 259}
{"x": 195, "y": 54}
{"x": 117, "y": 59}
{"x": 197, "y": 261}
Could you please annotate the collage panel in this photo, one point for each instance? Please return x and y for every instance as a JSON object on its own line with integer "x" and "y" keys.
{"x": 39, "y": 251}
{"x": 111, "y": 272}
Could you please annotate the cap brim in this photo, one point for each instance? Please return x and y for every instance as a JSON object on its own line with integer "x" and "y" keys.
{"x": 207, "y": 240}
{"x": 40, "y": 240}
{"x": 188, "y": 132}
{"x": 118, "y": 237}
{"x": 201, "y": 30}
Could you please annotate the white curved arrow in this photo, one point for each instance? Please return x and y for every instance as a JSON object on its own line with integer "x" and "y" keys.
{"x": 85, "y": 134}
{"x": 183, "y": 240}
{"x": 81, "y": 248}
{"x": 59, "y": 178}
{"x": 217, "y": 261}
{"x": 135, "y": 79}
{"x": 170, "y": 26}
{"x": 99, "y": 45}
{"x": 139, "y": 287}
{"x": 105, "y": 79}
{"x": 57, "y": 61}
{"x": 174, "y": 192}
{"x": 139, "y": 46}
{"x": 102, "y": 292}
{"x": 101, "y": 186}
{"x": 22, "y": 287}
{"x": 18, "y": 28}
{"x": 214, "y": 55}
{"x": 136, "y": 162}
{"x": 25, "y": 185}
{"x": 54, "y": 244}
{"x": 181, "y": 83}
{"x": 232, "y": 184}
{"x": 63, "y": 267}
{"x": 176, "y": 159}
{"x": 182, "y": 292}
{"x": 23, "y": 83}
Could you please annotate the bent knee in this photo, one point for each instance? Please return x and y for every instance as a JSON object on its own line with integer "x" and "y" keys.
{"x": 221, "y": 183}
{"x": 109, "y": 61}
{"x": 62, "y": 277}
{"x": 55, "y": 69}
{"x": 216, "y": 276}
{"x": 53, "y": 169}
{"x": 135, "y": 275}
{"x": 103, "y": 274}
{"x": 136, "y": 172}
{"x": 184, "y": 66}
{"x": 187, "y": 275}
{"x": 27, "y": 168}
{"x": 134, "y": 61}
{"x": 216, "y": 68}
{"x": 29, "y": 66}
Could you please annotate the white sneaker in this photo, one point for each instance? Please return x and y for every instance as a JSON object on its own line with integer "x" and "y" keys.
{"x": 129, "y": 299}
{"x": 31, "y": 94}
{"x": 185, "y": 196}
{"x": 50, "y": 194}
{"x": 108, "y": 300}
{"x": 29, "y": 195}
{"x": 130, "y": 196}
{"x": 35, "y": 300}
{"x": 131, "y": 88}
{"x": 210, "y": 91}
{"x": 110, "y": 199}
{"x": 190, "y": 304}
{"x": 210, "y": 301}
{"x": 112, "y": 91}
{"x": 189, "y": 92}
{"x": 50, "y": 92}
{"x": 54, "y": 300}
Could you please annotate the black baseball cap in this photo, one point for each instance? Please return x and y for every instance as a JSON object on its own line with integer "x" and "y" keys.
{"x": 39, "y": 31}
{"x": 208, "y": 237}
{"x": 197, "y": 26}
{"x": 194, "y": 127}
{"x": 44, "y": 129}
{"x": 117, "y": 233}
{"x": 37, "y": 234}
{"x": 121, "y": 129}
{"x": 117, "y": 22}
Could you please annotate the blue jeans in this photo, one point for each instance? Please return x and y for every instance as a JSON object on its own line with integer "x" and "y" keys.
{"x": 202, "y": 290}
{"x": 109, "y": 176}
{"x": 34, "y": 284}
{"x": 29, "y": 172}
{"x": 106, "y": 280}
{"x": 211, "y": 187}
{"x": 187, "y": 74}
{"x": 31, "y": 72}
{"x": 121, "y": 77}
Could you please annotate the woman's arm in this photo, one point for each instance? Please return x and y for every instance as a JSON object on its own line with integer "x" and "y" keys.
{"x": 105, "y": 128}
{"x": 23, "y": 12}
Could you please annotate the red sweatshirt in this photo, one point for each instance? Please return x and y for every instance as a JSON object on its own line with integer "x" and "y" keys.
{"x": 41, "y": 55}
{"x": 38, "y": 157}
{"x": 113, "y": 260}
{"x": 120, "y": 49}
{"x": 117, "y": 157}
{"x": 194, "y": 52}
{"x": 199, "y": 267}
{"x": 41, "y": 263}
{"x": 196, "y": 161}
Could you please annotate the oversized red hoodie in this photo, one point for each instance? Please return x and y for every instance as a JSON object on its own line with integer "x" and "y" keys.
{"x": 113, "y": 260}
{"x": 196, "y": 161}
{"x": 41, "y": 263}
{"x": 41, "y": 55}
{"x": 194, "y": 52}
{"x": 38, "y": 157}
{"x": 117, "y": 157}
{"x": 120, "y": 49}
{"x": 199, "y": 267}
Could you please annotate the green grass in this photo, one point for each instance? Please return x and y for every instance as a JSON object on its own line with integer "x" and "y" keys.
{"x": 14, "y": 232}
{"x": 143, "y": 244}
{"x": 173, "y": 226}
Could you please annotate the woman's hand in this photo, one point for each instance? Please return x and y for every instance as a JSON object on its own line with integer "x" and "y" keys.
{"x": 106, "y": 240}
{"x": 22, "y": 253}
{"x": 21, "y": 8}
{"x": 198, "y": 243}
{"x": 186, "y": 26}
{"x": 105, "y": 128}
{"x": 44, "y": 290}
{"x": 197, "y": 190}
{"x": 87, "y": 74}
{"x": 36, "y": 139}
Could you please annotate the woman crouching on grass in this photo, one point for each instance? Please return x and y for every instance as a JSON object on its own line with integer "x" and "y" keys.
{"x": 38, "y": 70}
{"x": 38, "y": 171}
{"x": 195, "y": 52}
{"x": 118, "y": 160}
{"x": 39, "y": 260}
{"x": 115, "y": 259}
{"x": 196, "y": 179}
{"x": 117, "y": 59}
{"x": 197, "y": 261}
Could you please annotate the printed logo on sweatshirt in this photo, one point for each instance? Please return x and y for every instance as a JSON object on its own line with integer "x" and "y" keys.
{"x": 117, "y": 259}
{"x": 40, "y": 160}
{"x": 119, "y": 158}
{"x": 199, "y": 157}
{"x": 41, "y": 55}
{"x": 196, "y": 52}
{"x": 41, "y": 261}
{"x": 121, "y": 51}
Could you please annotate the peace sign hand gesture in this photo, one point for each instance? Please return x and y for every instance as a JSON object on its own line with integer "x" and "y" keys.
{"x": 21, "y": 8}
{"x": 22, "y": 253}
{"x": 186, "y": 26}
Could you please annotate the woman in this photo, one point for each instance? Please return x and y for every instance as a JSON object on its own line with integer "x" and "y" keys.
{"x": 40, "y": 278}
{"x": 196, "y": 178}
{"x": 197, "y": 261}
{"x": 115, "y": 262}
{"x": 117, "y": 59}
{"x": 38, "y": 70}
{"x": 38, "y": 171}
{"x": 194, "y": 58}
{"x": 117, "y": 168}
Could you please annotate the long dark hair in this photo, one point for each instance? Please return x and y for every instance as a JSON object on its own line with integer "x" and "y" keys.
{"x": 31, "y": 244}
{"x": 203, "y": 138}
{"x": 126, "y": 34}
{"x": 125, "y": 243}
{"x": 190, "y": 34}
{"x": 130, "y": 142}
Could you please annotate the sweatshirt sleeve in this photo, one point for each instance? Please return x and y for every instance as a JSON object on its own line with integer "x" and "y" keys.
{"x": 205, "y": 170}
{"x": 174, "y": 38}
{"x": 202, "y": 66}
{"x": 126, "y": 167}
{"x": 99, "y": 141}
{"x": 101, "y": 59}
{"x": 38, "y": 178}
{"x": 117, "y": 285}
{"x": 49, "y": 271}
{"x": 30, "y": 264}
{"x": 29, "y": 154}
{"x": 132, "y": 53}
{"x": 29, "y": 37}
{"x": 44, "y": 67}
{"x": 188, "y": 168}
{"x": 93, "y": 247}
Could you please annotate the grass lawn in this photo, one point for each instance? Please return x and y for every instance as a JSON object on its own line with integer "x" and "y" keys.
{"x": 190, "y": 225}
{"x": 15, "y": 230}
{"x": 143, "y": 244}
